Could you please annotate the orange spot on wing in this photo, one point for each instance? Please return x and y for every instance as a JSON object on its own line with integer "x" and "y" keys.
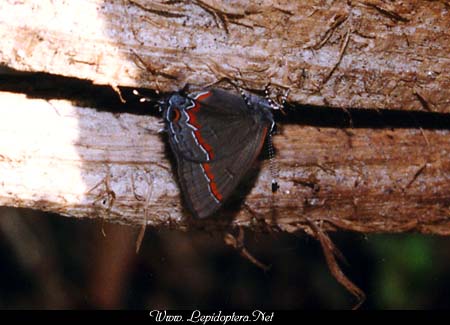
{"x": 177, "y": 114}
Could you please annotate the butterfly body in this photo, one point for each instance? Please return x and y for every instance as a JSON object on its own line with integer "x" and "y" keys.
{"x": 215, "y": 136}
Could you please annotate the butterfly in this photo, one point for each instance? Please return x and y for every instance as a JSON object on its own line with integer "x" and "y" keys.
{"x": 216, "y": 136}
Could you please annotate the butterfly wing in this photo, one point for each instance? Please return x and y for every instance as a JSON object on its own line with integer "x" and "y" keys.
{"x": 206, "y": 185}
{"x": 209, "y": 125}
{"x": 216, "y": 136}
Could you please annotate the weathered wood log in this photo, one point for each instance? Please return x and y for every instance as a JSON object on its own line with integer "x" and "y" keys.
{"x": 84, "y": 163}
{"x": 366, "y": 54}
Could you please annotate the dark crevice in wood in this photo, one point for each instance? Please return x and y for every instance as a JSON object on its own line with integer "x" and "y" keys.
{"x": 104, "y": 98}
{"x": 80, "y": 92}
{"x": 364, "y": 118}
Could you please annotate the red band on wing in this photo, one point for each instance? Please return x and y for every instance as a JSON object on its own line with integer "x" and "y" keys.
{"x": 197, "y": 133}
{"x": 212, "y": 183}
{"x": 193, "y": 121}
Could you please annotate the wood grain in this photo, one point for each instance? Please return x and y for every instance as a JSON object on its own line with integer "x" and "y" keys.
{"x": 84, "y": 163}
{"x": 397, "y": 55}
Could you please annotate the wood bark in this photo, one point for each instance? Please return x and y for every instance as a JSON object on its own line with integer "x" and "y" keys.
{"x": 80, "y": 162}
{"x": 396, "y": 54}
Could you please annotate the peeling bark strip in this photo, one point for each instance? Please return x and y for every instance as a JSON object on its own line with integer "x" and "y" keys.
{"x": 84, "y": 163}
{"x": 397, "y": 55}
{"x": 330, "y": 252}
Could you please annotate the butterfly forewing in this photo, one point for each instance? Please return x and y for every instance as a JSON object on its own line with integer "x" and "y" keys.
{"x": 206, "y": 128}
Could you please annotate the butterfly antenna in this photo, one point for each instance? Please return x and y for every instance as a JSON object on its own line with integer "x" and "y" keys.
{"x": 143, "y": 99}
{"x": 272, "y": 103}
{"x": 245, "y": 97}
{"x": 274, "y": 170}
{"x": 283, "y": 101}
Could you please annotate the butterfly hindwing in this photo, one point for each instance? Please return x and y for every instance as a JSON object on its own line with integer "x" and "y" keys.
{"x": 207, "y": 185}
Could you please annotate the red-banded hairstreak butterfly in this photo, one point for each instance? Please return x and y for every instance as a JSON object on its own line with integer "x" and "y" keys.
{"x": 215, "y": 136}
